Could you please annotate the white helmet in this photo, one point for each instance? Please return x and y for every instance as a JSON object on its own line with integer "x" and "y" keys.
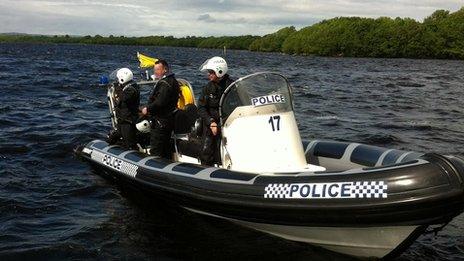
{"x": 124, "y": 75}
{"x": 217, "y": 64}
{"x": 143, "y": 126}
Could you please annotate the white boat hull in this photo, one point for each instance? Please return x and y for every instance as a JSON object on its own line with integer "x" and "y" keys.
{"x": 355, "y": 241}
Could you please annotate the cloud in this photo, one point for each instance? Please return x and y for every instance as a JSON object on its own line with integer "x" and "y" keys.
{"x": 194, "y": 17}
{"x": 206, "y": 18}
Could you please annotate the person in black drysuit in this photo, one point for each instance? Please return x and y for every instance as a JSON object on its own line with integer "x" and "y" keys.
{"x": 208, "y": 108}
{"x": 161, "y": 107}
{"x": 127, "y": 101}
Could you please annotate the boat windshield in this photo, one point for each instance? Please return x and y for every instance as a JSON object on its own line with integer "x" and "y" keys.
{"x": 256, "y": 90}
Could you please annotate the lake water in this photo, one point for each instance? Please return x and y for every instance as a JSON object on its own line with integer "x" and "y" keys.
{"x": 52, "y": 206}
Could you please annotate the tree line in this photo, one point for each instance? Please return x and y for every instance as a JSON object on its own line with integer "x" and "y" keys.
{"x": 231, "y": 42}
{"x": 440, "y": 35}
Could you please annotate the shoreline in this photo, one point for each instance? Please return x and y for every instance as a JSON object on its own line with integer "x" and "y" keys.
{"x": 244, "y": 50}
{"x": 439, "y": 36}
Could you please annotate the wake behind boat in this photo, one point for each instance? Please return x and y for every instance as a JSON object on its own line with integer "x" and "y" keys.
{"x": 351, "y": 198}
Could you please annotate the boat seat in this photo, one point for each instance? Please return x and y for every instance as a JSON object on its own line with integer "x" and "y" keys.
{"x": 344, "y": 155}
{"x": 189, "y": 147}
{"x": 185, "y": 119}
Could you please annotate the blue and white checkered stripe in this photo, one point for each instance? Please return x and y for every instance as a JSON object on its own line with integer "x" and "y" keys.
{"x": 129, "y": 169}
{"x": 369, "y": 189}
{"x": 277, "y": 191}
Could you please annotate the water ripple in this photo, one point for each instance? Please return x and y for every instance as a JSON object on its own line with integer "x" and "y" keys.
{"x": 54, "y": 207}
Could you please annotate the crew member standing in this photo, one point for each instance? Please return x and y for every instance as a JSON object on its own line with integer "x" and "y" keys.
{"x": 161, "y": 107}
{"x": 208, "y": 107}
{"x": 127, "y": 101}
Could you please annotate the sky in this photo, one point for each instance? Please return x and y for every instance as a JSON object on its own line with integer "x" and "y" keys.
{"x": 195, "y": 17}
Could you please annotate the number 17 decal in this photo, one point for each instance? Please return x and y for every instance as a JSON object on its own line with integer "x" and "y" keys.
{"x": 275, "y": 122}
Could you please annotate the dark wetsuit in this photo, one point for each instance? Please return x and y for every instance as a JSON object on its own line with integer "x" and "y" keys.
{"x": 161, "y": 106}
{"x": 208, "y": 108}
{"x": 127, "y": 108}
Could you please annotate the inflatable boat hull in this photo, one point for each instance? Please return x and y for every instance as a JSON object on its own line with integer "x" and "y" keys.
{"x": 374, "y": 211}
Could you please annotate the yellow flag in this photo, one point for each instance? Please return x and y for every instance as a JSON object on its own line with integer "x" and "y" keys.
{"x": 146, "y": 61}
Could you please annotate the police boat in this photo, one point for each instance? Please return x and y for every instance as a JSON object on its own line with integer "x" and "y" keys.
{"x": 352, "y": 198}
